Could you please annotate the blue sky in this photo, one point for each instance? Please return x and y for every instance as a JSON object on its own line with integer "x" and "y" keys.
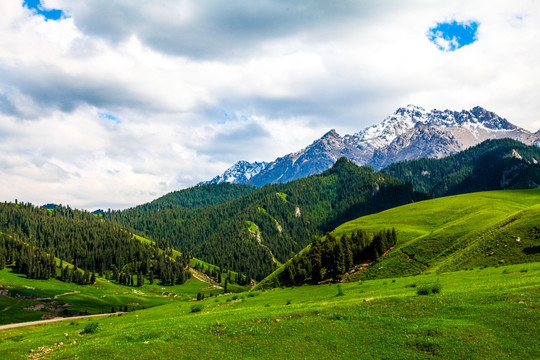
{"x": 48, "y": 14}
{"x": 453, "y": 35}
{"x": 110, "y": 104}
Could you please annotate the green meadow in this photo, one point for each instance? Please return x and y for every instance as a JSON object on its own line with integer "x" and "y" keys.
{"x": 484, "y": 313}
{"x": 451, "y": 233}
{"x": 31, "y": 300}
{"x": 458, "y": 232}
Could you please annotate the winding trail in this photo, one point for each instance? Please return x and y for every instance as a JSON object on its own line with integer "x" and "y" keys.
{"x": 28, "y": 323}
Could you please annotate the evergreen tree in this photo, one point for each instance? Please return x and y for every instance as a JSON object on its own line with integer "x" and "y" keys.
{"x": 315, "y": 254}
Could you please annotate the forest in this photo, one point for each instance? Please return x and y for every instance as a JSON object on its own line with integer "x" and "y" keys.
{"x": 330, "y": 259}
{"x": 284, "y": 217}
{"x": 491, "y": 165}
{"x": 32, "y": 237}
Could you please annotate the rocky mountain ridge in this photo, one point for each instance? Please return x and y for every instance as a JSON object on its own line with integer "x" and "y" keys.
{"x": 410, "y": 133}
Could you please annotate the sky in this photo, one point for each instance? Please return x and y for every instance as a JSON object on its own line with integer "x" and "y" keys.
{"x": 111, "y": 104}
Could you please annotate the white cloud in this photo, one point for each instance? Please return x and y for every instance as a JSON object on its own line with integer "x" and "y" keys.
{"x": 284, "y": 74}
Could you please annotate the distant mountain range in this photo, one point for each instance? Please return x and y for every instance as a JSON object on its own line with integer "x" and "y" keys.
{"x": 410, "y": 133}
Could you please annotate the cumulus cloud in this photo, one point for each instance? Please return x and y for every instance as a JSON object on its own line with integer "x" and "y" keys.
{"x": 117, "y": 102}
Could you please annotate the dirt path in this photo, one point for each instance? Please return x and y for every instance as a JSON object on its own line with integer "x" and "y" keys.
{"x": 9, "y": 326}
{"x": 68, "y": 293}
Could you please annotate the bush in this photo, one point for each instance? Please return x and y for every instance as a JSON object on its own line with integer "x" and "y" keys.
{"x": 423, "y": 290}
{"x": 427, "y": 289}
{"x": 196, "y": 308}
{"x": 91, "y": 328}
{"x": 339, "y": 291}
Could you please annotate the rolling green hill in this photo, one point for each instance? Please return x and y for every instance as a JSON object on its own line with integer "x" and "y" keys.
{"x": 491, "y": 228}
{"x": 457, "y": 232}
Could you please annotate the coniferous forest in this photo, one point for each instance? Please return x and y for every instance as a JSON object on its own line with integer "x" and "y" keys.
{"x": 253, "y": 233}
{"x": 332, "y": 258}
{"x": 31, "y": 237}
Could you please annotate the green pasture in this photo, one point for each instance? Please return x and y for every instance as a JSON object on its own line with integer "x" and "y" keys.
{"x": 485, "y": 313}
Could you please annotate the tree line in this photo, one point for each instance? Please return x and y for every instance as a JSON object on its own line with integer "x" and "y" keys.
{"x": 31, "y": 238}
{"x": 331, "y": 259}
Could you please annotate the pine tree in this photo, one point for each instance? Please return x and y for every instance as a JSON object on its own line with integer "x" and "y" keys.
{"x": 315, "y": 254}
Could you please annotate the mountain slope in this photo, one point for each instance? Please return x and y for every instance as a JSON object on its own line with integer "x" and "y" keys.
{"x": 449, "y": 233}
{"x": 198, "y": 196}
{"x": 249, "y": 234}
{"x": 492, "y": 165}
{"x": 410, "y": 133}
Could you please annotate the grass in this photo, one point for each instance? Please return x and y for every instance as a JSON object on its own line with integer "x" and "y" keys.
{"x": 457, "y": 232}
{"x": 480, "y": 314}
{"x": 283, "y": 196}
{"x": 452, "y": 233}
{"x": 32, "y": 300}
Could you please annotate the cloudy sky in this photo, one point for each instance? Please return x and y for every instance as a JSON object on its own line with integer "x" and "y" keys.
{"x": 112, "y": 103}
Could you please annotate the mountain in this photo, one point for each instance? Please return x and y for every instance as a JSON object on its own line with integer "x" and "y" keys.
{"x": 254, "y": 233}
{"x": 410, "y": 133}
{"x": 492, "y": 165}
{"x": 239, "y": 173}
{"x": 198, "y": 196}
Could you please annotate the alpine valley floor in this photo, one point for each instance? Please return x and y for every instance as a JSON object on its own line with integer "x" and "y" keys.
{"x": 482, "y": 313}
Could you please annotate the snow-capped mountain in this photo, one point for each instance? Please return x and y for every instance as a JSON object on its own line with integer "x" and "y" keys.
{"x": 410, "y": 133}
{"x": 239, "y": 173}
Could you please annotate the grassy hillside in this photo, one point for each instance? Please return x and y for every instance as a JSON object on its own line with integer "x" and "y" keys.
{"x": 451, "y": 233}
{"x": 481, "y": 314}
{"x": 28, "y": 299}
{"x": 23, "y": 299}
{"x": 458, "y": 232}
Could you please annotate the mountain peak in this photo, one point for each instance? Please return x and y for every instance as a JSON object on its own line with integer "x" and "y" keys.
{"x": 331, "y": 134}
{"x": 410, "y": 132}
{"x": 240, "y": 172}
{"x": 410, "y": 109}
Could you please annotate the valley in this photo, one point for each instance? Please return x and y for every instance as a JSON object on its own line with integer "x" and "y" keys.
{"x": 267, "y": 179}
{"x": 351, "y": 261}
{"x": 479, "y": 313}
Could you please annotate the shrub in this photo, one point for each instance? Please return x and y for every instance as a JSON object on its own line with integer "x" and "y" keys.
{"x": 91, "y": 328}
{"x": 339, "y": 291}
{"x": 196, "y": 308}
{"x": 427, "y": 289}
{"x": 423, "y": 290}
